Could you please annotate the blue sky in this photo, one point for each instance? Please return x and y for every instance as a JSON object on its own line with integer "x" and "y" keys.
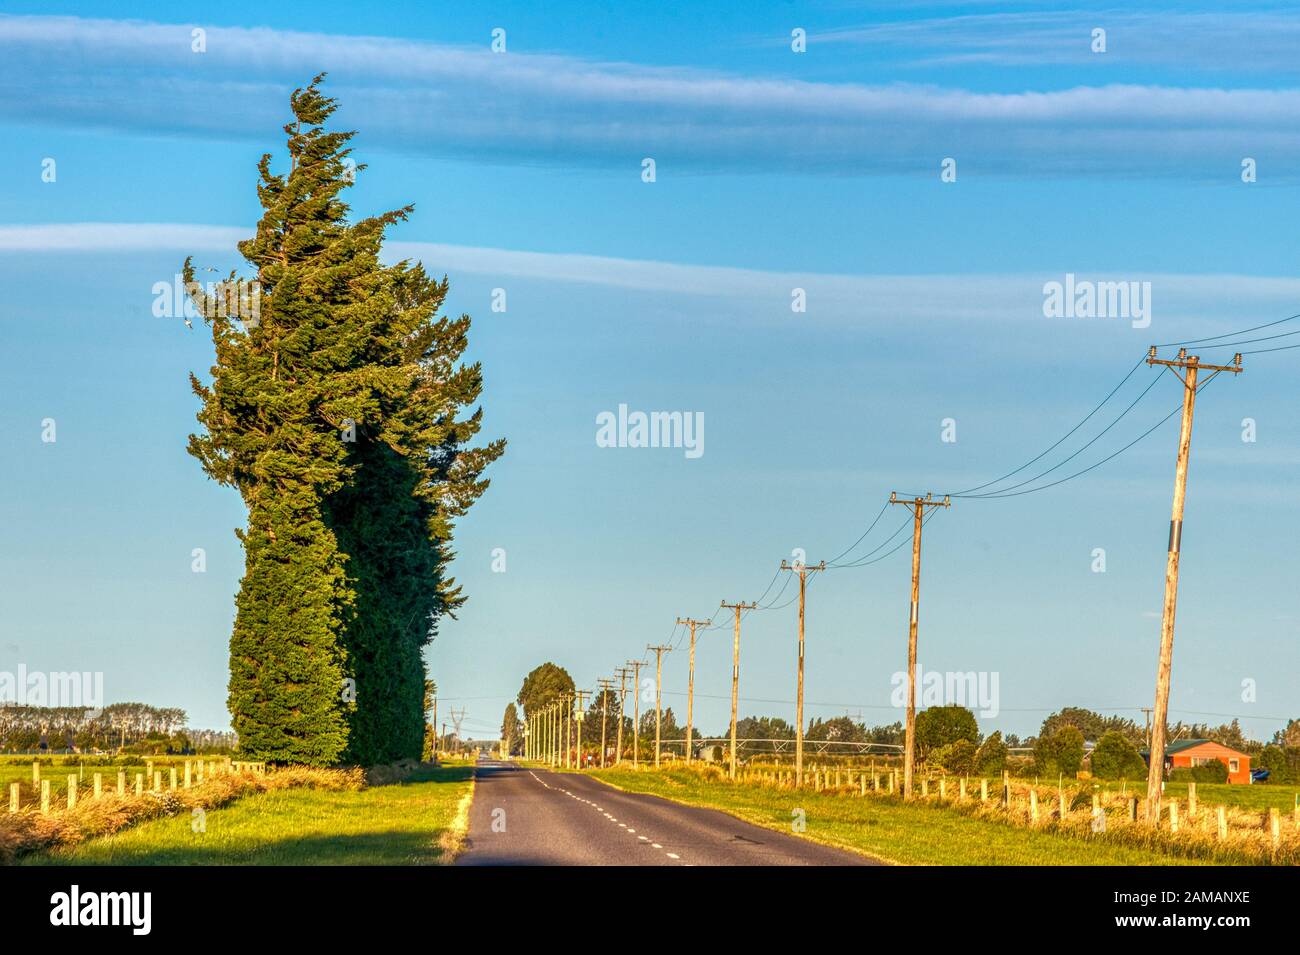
{"x": 774, "y": 170}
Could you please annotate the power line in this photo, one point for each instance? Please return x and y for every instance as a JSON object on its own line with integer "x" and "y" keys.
{"x": 1089, "y": 415}
{"x": 1243, "y": 331}
{"x": 1085, "y": 447}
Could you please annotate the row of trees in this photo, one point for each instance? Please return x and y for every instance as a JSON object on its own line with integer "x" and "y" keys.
{"x": 338, "y": 411}
{"x": 120, "y": 727}
{"x": 946, "y": 736}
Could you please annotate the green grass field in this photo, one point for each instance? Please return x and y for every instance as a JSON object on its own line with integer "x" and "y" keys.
{"x": 18, "y": 769}
{"x": 415, "y": 822}
{"x": 890, "y": 830}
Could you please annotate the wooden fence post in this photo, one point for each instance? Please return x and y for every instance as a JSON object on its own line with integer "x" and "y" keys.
{"x": 189, "y": 773}
{"x": 984, "y": 790}
{"x": 1275, "y": 824}
{"x": 862, "y": 783}
{"x": 943, "y": 787}
{"x": 1191, "y": 800}
{"x": 172, "y": 780}
{"x": 1132, "y": 809}
{"x": 99, "y": 785}
{"x": 36, "y": 775}
{"x": 13, "y": 797}
{"x": 121, "y": 782}
{"x": 1033, "y": 806}
{"x": 1061, "y": 811}
{"x": 45, "y": 796}
{"x": 925, "y": 786}
{"x": 1173, "y": 815}
{"x": 961, "y": 789}
{"x": 1223, "y": 823}
{"x": 139, "y": 784}
{"x": 72, "y": 791}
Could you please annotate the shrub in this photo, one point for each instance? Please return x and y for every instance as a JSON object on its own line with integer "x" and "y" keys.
{"x": 991, "y": 757}
{"x": 1273, "y": 758}
{"x": 1213, "y": 772}
{"x": 1114, "y": 757}
{"x": 1060, "y": 753}
{"x": 943, "y": 725}
{"x": 957, "y": 758}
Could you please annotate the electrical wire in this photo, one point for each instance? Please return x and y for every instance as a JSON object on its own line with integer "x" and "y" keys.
{"x": 1067, "y": 434}
{"x": 1001, "y": 491}
{"x": 1091, "y": 467}
{"x": 1243, "y": 331}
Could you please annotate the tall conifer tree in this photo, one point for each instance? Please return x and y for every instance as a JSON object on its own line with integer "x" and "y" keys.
{"x": 337, "y": 414}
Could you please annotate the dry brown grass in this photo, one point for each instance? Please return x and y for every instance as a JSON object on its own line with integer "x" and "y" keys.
{"x": 29, "y": 830}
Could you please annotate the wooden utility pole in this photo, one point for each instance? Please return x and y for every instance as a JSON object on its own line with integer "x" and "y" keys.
{"x": 1191, "y": 366}
{"x": 735, "y": 673}
{"x": 567, "y": 715}
{"x": 582, "y": 699}
{"x": 435, "y": 727}
{"x": 803, "y": 570}
{"x": 555, "y": 732}
{"x": 636, "y": 711}
{"x": 690, "y": 682}
{"x": 622, "y": 705}
{"x": 606, "y": 687}
{"x": 659, "y": 686}
{"x": 918, "y": 506}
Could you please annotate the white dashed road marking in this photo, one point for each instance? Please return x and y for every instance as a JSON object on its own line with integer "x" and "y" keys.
{"x": 621, "y": 825}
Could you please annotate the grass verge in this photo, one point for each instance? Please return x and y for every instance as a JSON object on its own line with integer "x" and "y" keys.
{"x": 404, "y": 822}
{"x": 909, "y": 834}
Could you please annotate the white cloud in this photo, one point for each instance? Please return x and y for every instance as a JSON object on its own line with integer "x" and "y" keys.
{"x": 532, "y": 107}
{"x": 1189, "y": 303}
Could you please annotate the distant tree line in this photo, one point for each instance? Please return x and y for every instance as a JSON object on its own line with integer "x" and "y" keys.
{"x": 119, "y": 727}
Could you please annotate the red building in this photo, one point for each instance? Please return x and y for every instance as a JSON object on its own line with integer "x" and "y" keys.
{"x": 1187, "y": 753}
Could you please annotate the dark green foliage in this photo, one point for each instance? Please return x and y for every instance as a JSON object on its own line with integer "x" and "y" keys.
{"x": 1061, "y": 753}
{"x": 957, "y": 757}
{"x": 1092, "y": 725}
{"x": 605, "y": 703}
{"x": 761, "y": 727}
{"x": 838, "y": 728}
{"x": 542, "y": 687}
{"x": 991, "y": 757}
{"x": 942, "y": 725}
{"x": 668, "y": 728}
{"x": 334, "y": 413}
{"x": 1114, "y": 757}
{"x": 510, "y": 736}
{"x": 1274, "y": 759}
{"x": 1211, "y": 772}
{"x": 429, "y": 745}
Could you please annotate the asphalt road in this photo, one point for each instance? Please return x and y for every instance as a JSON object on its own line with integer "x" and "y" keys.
{"x": 534, "y": 817}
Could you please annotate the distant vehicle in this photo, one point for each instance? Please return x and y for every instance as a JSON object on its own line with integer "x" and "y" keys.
{"x": 1258, "y": 775}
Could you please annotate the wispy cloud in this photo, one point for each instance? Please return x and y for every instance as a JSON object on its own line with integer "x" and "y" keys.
{"x": 520, "y": 107}
{"x": 1240, "y": 41}
{"x": 1184, "y": 304}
